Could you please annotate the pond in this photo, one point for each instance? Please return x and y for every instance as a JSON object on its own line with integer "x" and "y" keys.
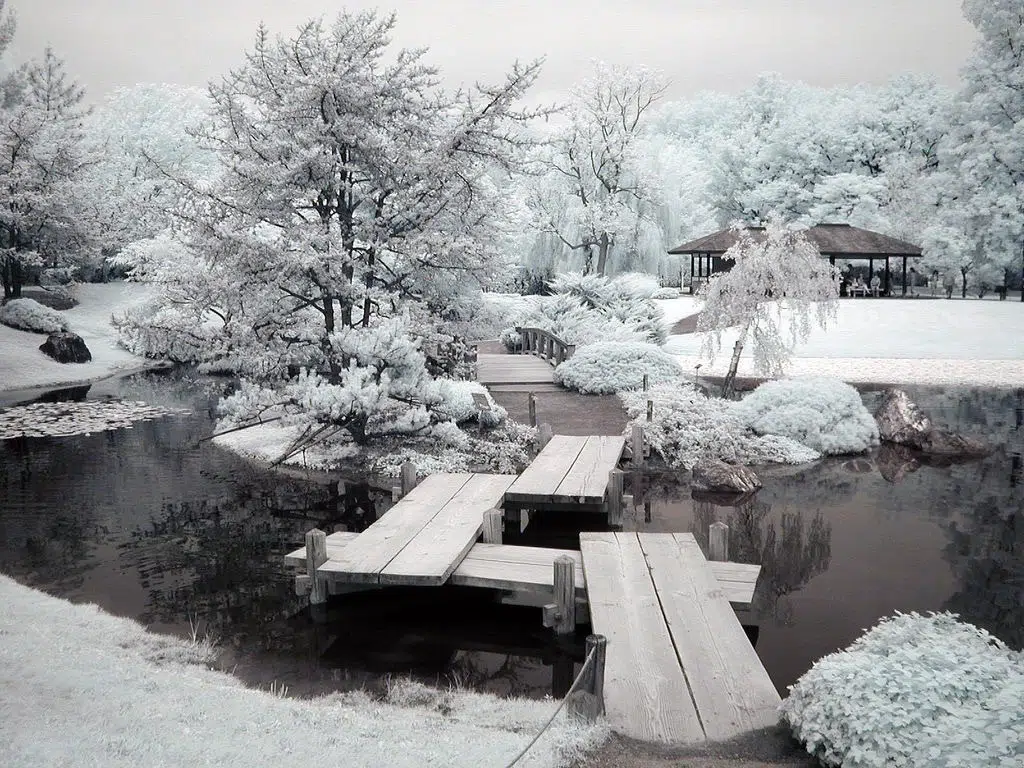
{"x": 155, "y": 524}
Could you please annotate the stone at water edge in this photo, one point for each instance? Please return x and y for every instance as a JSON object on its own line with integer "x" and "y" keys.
{"x": 939, "y": 442}
{"x": 66, "y": 348}
{"x": 714, "y": 476}
{"x": 901, "y": 421}
{"x": 897, "y": 461}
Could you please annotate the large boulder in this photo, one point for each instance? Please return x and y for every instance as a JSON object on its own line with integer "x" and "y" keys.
{"x": 714, "y": 476}
{"x": 901, "y": 421}
{"x": 939, "y": 442}
{"x": 66, "y": 348}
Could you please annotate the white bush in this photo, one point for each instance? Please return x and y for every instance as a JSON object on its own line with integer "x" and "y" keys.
{"x": 625, "y": 299}
{"x": 824, "y": 414}
{"x": 916, "y": 691}
{"x": 689, "y": 427}
{"x": 613, "y": 366}
{"x": 30, "y": 315}
{"x": 454, "y": 400}
{"x": 663, "y": 294}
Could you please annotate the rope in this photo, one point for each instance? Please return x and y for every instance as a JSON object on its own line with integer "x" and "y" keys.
{"x": 583, "y": 670}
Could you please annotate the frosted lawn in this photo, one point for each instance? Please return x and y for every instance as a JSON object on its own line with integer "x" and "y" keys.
{"x": 77, "y": 418}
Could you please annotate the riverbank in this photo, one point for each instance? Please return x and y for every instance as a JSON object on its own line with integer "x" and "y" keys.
{"x": 107, "y": 692}
{"x": 24, "y": 367}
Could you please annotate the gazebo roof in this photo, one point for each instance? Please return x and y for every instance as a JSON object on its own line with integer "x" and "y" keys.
{"x": 839, "y": 240}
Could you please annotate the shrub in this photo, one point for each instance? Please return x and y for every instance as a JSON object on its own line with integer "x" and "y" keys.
{"x": 626, "y": 299}
{"x": 454, "y": 400}
{"x": 666, "y": 293}
{"x": 613, "y": 366}
{"x": 689, "y": 427}
{"x": 824, "y": 414}
{"x": 512, "y": 339}
{"x": 30, "y": 315}
{"x": 914, "y": 691}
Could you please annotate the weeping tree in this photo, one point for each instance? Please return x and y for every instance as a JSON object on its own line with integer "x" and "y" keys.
{"x": 354, "y": 190}
{"x": 777, "y": 286}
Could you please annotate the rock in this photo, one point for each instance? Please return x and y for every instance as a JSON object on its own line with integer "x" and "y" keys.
{"x": 714, "y": 476}
{"x": 939, "y": 442}
{"x": 901, "y": 421}
{"x": 897, "y": 461}
{"x": 66, "y": 348}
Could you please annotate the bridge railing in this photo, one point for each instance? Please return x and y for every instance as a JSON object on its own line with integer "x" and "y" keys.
{"x": 537, "y": 341}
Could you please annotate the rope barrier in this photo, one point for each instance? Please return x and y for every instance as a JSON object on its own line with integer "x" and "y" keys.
{"x": 583, "y": 670}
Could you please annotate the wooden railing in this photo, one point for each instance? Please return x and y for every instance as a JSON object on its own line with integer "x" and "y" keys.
{"x": 537, "y": 341}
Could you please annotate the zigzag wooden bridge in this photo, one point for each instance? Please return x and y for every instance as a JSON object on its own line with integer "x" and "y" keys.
{"x": 675, "y": 664}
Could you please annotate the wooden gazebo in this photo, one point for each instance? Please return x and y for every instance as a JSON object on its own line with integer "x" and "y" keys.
{"x": 836, "y": 241}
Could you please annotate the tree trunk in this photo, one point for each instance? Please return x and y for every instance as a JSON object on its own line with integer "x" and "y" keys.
{"x": 963, "y": 289}
{"x": 12, "y": 277}
{"x": 602, "y": 254}
{"x": 588, "y": 259}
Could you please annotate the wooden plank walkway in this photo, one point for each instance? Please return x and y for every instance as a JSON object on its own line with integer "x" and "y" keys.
{"x": 570, "y": 471}
{"x": 513, "y": 369}
{"x": 530, "y": 570}
{"x": 424, "y": 537}
{"x": 679, "y": 667}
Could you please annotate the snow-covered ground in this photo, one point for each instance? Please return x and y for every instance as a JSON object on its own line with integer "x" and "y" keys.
{"x": 79, "y": 687}
{"x": 676, "y": 309}
{"x": 23, "y": 366}
{"x": 923, "y": 341}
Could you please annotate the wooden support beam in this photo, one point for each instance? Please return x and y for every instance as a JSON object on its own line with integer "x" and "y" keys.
{"x": 587, "y": 701}
{"x": 718, "y": 542}
{"x": 561, "y": 615}
{"x": 650, "y": 411}
{"x": 408, "y": 477}
{"x": 545, "y": 434}
{"x": 636, "y": 444}
{"x": 615, "y": 501}
{"x": 316, "y": 555}
{"x": 531, "y": 403}
{"x": 493, "y": 521}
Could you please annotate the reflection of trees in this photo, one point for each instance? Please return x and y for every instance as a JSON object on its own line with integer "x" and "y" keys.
{"x": 501, "y": 674}
{"x": 790, "y": 550}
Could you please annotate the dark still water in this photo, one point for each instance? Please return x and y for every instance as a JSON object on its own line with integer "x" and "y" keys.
{"x": 152, "y": 524}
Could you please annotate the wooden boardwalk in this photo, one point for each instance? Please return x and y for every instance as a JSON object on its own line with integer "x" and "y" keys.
{"x": 424, "y": 536}
{"x": 571, "y": 472}
{"x": 513, "y": 369}
{"x": 529, "y": 571}
{"x": 679, "y": 667}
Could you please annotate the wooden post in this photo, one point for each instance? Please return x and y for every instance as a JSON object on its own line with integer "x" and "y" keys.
{"x": 493, "y": 521}
{"x": 636, "y": 444}
{"x": 532, "y": 405}
{"x": 408, "y": 477}
{"x": 718, "y": 542}
{"x": 545, "y": 434}
{"x": 615, "y": 481}
{"x": 645, "y": 384}
{"x": 561, "y": 615}
{"x": 650, "y": 411}
{"x": 316, "y": 555}
{"x": 587, "y": 702}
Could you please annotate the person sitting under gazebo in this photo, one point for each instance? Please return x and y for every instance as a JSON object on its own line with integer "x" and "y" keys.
{"x": 876, "y": 285}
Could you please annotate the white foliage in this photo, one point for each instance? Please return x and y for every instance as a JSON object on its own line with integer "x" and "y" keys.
{"x": 915, "y": 691}
{"x": 455, "y": 402}
{"x": 30, "y": 315}
{"x": 689, "y": 427}
{"x": 606, "y": 367}
{"x": 771, "y": 266}
{"x": 827, "y": 415}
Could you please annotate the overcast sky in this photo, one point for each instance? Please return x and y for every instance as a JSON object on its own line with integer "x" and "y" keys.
{"x": 699, "y": 44}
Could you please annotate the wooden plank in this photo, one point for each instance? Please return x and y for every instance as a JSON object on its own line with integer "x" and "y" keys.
{"x": 513, "y": 369}
{"x": 730, "y": 686}
{"x": 430, "y": 557}
{"x": 362, "y": 560}
{"x": 646, "y": 696}
{"x": 587, "y": 479}
{"x": 541, "y": 479}
{"x": 529, "y": 569}
{"x": 515, "y": 569}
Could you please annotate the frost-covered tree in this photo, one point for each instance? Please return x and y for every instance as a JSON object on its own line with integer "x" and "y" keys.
{"x": 985, "y": 152}
{"x": 42, "y": 158}
{"x": 777, "y": 284}
{"x": 144, "y": 138}
{"x": 592, "y": 196}
{"x": 353, "y": 189}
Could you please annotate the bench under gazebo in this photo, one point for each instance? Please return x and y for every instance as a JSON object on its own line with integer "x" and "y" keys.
{"x": 835, "y": 241}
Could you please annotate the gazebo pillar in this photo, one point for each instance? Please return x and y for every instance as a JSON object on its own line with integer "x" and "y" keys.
{"x": 886, "y": 289}
{"x": 691, "y": 274}
{"x": 904, "y": 275}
